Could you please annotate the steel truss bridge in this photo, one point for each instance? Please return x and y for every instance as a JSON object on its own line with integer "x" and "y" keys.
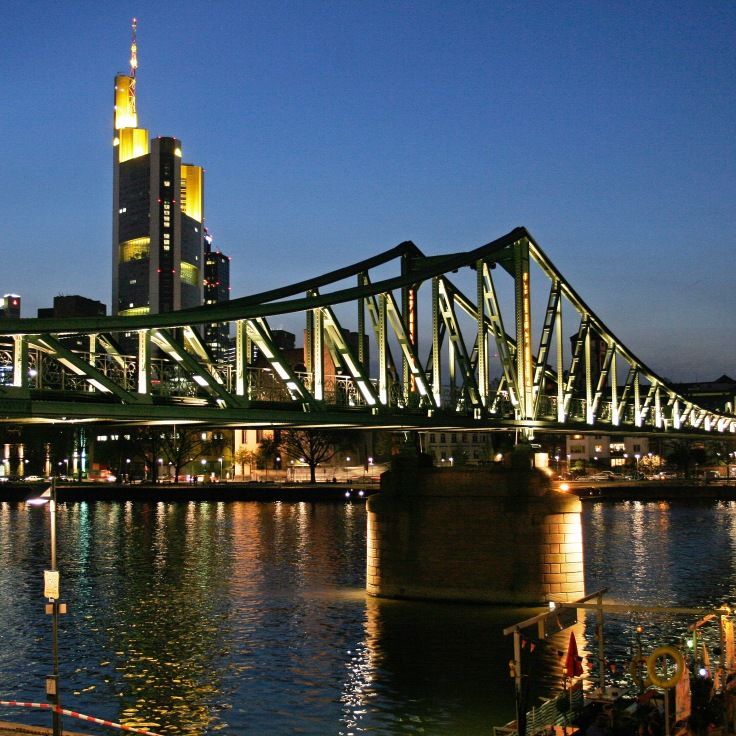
{"x": 432, "y": 357}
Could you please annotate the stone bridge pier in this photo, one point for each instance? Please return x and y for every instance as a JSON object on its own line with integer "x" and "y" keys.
{"x": 492, "y": 534}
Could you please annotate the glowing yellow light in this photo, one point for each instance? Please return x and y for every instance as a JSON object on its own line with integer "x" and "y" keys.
{"x": 177, "y": 152}
{"x": 116, "y": 141}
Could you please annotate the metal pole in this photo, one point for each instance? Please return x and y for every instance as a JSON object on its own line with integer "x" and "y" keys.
{"x": 56, "y": 716}
{"x": 601, "y": 648}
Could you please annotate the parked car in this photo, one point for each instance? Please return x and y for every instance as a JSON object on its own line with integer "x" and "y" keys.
{"x": 33, "y": 479}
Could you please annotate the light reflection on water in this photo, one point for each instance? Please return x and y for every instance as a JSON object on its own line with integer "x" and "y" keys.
{"x": 252, "y": 617}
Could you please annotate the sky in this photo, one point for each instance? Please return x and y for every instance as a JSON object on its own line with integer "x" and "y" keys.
{"x": 330, "y": 131}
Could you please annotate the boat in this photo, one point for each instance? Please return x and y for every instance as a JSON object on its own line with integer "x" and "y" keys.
{"x": 682, "y": 685}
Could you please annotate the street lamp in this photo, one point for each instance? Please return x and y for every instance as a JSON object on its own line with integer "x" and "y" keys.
{"x": 220, "y": 459}
{"x": 51, "y": 592}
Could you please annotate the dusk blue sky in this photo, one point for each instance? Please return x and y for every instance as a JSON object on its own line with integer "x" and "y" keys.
{"x": 330, "y": 131}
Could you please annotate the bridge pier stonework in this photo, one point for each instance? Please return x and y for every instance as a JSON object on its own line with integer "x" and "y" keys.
{"x": 486, "y": 534}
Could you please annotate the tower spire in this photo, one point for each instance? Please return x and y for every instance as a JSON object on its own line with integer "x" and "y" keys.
{"x": 133, "y": 67}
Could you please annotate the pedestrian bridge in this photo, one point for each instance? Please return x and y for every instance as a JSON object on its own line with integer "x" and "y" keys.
{"x": 487, "y": 339}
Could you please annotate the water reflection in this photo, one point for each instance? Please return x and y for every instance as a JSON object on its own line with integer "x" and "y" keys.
{"x": 252, "y": 617}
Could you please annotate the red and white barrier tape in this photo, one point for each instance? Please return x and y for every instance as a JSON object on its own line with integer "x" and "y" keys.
{"x": 73, "y": 714}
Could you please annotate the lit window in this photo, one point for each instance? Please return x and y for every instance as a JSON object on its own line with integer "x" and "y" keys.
{"x": 135, "y": 250}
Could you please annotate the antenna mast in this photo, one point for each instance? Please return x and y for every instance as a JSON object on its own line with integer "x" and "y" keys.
{"x": 133, "y": 67}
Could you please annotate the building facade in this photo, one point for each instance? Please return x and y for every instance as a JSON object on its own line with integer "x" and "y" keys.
{"x": 457, "y": 448}
{"x": 216, "y": 290}
{"x": 10, "y": 306}
{"x": 603, "y": 451}
{"x": 158, "y": 215}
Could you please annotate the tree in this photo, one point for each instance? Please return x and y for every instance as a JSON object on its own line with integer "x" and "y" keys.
{"x": 147, "y": 446}
{"x": 268, "y": 449}
{"x": 686, "y": 453}
{"x": 315, "y": 446}
{"x": 243, "y": 456}
{"x": 180, "y": 445}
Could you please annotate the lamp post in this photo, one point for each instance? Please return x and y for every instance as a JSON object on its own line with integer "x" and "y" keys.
{"x": 51, "y": 592}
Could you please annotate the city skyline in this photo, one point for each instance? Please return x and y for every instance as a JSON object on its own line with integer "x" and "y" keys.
{"x": 330, "y": 133}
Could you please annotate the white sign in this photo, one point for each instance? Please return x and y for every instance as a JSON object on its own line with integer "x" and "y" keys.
{"x": 51, "y": 584}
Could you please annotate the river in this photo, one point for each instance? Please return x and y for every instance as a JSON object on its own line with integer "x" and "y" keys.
{"x": 248, "y": 617}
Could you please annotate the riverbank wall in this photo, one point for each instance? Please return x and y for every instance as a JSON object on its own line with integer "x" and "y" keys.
{"x": 678, "y": 490}
{"x": 171, "y": 492}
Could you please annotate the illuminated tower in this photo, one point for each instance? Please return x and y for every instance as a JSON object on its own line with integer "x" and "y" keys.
{"x": 158, "y": 214}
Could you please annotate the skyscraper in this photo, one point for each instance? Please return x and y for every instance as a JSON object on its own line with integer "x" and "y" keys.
{"x": 158, "y": 214}
{"x": 216, "y": 291}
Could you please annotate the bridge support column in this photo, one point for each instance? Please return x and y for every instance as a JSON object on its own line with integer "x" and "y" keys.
{"x": 489, "y": 534}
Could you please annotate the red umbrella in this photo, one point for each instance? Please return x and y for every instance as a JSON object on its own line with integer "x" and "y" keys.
{"x": 573, "y": 661}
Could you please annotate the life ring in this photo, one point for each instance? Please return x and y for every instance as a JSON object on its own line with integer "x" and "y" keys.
{"x": 639, "y": 672}
{"x": 664, "y": 654}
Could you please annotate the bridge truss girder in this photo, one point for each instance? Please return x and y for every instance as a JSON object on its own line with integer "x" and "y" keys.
{"x": 466, "y": 371}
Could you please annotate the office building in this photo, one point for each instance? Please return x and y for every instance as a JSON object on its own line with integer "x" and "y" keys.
{"x": 10, "y": 306}
{"x": 73, "y": 306}
{"x": 216, "y": 291}
{"x": 158, "y": 214}
{"x": 66, "y": 307}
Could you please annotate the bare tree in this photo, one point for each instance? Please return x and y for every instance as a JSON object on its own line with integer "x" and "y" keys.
{"x": 147, "y": 446}
{"x": 180, "y": 445}
{"x": 315, "y": 446}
